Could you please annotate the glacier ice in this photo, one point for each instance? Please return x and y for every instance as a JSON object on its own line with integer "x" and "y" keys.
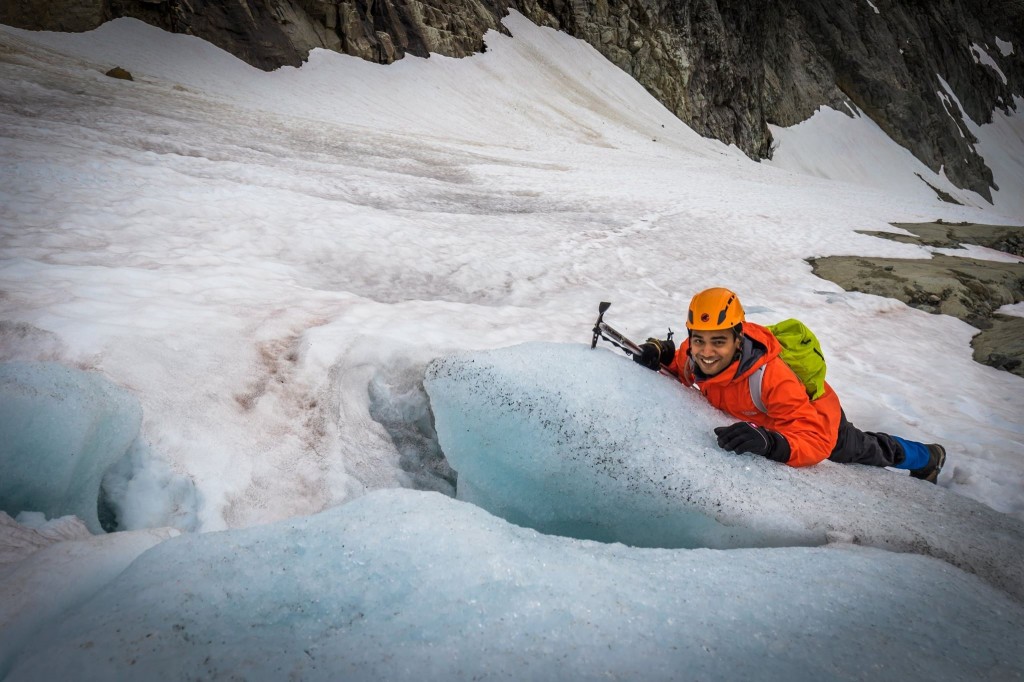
{"x": 581, "y": 442}
{"x": 71, "y": 446}
{"x": 413, "y": 585}
{"x": 399, "y": 404}
{"x": 410, "y": 585}
{"x": 31, "y": 531}
{"x": 63, "y": 428}
{"x": 57, "y": 574}
{"x": 143, "y": 491}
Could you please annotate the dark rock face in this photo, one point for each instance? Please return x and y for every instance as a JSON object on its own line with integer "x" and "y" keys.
{"x": 273, "y": 33}
{"x": 58, "y": 15}
{"x": 889, "y": 64}
{"x": 702, "y": 59}
{"x": 727, "y": 68}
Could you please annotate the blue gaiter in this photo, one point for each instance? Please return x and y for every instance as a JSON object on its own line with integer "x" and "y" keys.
{"x": 915, "y": 454}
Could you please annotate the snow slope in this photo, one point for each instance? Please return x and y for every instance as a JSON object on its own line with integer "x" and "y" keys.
{"x": 247, "y": 251}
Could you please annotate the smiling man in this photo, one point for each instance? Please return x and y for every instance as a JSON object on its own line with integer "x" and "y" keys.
{"x": 720, "y": 357}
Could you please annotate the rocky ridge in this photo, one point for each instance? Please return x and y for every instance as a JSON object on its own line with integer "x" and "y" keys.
{"x": 728, "y": 68}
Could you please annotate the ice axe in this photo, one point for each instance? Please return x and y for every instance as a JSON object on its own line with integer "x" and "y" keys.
{"x": 602, "y": 330}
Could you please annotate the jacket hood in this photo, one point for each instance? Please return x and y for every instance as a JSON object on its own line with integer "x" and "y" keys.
{"x": 759, "y": 346}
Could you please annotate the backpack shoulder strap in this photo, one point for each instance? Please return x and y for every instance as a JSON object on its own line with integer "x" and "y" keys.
{"x": 754, "y": 383}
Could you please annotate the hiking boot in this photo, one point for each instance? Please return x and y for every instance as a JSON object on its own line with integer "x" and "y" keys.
{"x": 930, "y": 471}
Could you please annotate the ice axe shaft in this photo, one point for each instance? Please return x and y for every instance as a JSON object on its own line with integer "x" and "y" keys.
{"x": 602, "y": 330}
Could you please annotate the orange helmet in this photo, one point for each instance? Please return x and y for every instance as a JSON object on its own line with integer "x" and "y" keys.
{"x": 714, "y": 309}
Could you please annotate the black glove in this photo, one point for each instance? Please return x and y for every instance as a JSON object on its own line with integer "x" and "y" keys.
{"x": 654, "y": 353}
{"x": 747, "y": 437}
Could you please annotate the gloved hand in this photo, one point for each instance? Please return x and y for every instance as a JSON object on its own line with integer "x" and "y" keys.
{"x": 757, "y": 440}
{"x": 654, "y": 353}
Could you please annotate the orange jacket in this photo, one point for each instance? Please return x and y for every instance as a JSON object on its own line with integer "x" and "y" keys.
{"x": 810, "y": 427}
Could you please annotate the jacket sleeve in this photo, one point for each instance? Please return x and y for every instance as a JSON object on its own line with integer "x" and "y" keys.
{"x": 790, "y": 413}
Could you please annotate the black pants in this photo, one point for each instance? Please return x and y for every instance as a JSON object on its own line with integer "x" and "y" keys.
{"x": 864, "y": 447}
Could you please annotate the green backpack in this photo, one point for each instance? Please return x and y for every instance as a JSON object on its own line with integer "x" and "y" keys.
{"x": 802, "y": 353}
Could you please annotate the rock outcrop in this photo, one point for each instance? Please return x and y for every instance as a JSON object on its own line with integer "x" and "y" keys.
{"x": 967, "y": 288}
{"x": 728, "y": 68}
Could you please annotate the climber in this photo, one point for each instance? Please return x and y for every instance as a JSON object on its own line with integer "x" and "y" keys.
{"x": 723, "y": 357}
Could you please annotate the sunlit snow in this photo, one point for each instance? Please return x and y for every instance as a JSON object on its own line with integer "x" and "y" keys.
{"x": 244, "y": 277}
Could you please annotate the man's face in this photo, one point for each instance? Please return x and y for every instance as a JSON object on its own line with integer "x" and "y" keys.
{"x": 714, "y": 350}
